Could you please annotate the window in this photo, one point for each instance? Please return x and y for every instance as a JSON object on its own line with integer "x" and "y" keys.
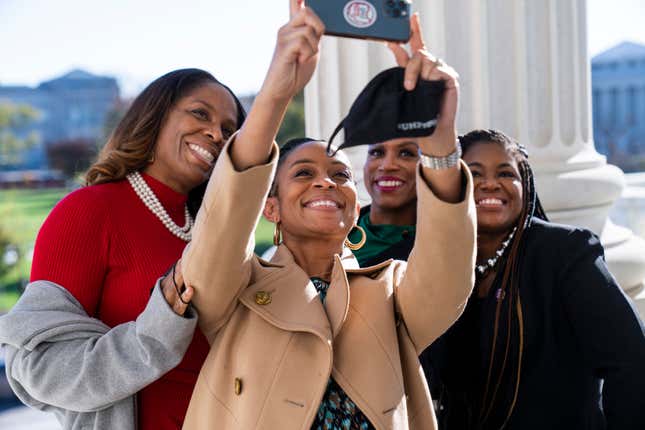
{"x": 595, "y": 104}
{"x": 631, "y": 105}
{"x": 613, "y": 108}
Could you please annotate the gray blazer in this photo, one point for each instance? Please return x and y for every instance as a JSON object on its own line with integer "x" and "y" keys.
{"x": 60, "y": 360}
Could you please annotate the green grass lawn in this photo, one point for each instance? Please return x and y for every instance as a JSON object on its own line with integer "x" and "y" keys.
{"x": 22, "y": 212}
{"x": 263, "y": 236}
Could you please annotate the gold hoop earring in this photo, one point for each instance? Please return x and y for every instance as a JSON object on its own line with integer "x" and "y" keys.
{"x": 277, "y": 235}
{"x": 359, "y": 245}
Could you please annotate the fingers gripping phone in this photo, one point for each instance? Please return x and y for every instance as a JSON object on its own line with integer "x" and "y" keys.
{"x": 365, "y": 19}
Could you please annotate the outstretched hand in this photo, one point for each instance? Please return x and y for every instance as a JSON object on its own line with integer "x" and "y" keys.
{"x": 294, "y": 61}
{"x": 421, "y": 64}
{"x": 296, "y": 52}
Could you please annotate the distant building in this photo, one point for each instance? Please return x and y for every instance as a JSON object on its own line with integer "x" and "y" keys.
{"x": 618, "y": 85}
{"x": 73, "y": 106}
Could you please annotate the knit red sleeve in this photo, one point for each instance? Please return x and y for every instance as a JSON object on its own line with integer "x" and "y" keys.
{"x": 72, "y": 247}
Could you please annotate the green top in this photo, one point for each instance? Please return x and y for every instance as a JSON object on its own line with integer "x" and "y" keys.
{"x": 379, "y": 237}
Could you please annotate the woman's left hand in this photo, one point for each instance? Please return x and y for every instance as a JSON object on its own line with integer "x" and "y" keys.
{"x": 171, "y": 287}
{"x": 421, "y": 64}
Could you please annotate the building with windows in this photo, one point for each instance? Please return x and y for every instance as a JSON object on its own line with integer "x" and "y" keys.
{"x": 71, "y": 107}
{"x": 618, "y": 85}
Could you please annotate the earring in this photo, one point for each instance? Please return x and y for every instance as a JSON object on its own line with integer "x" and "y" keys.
{"x": 359, "y": 245}
{"x": 277, "y": 235}
{"x": 151, "y": 159}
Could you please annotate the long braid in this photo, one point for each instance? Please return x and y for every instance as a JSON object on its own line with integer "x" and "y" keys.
{"x": 508, "y": 294}
{"x": 509, "y": 288}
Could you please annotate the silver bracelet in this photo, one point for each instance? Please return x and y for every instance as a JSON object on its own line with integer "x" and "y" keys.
{"x": 450, "y": 160}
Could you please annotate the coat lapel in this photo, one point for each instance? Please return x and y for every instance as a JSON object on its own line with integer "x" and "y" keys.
{"x": 337, "y": 302}
{"x": 338, "y": 296}
{"x": 294, "y": 304}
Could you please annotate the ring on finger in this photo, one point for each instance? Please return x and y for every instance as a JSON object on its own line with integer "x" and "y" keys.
{"x": 438, "y": 62}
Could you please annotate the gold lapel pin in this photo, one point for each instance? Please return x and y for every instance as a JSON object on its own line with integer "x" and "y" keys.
{"x": 262, "y": 298}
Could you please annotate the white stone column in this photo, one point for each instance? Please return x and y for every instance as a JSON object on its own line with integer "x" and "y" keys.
{"x": 524, "y": 70}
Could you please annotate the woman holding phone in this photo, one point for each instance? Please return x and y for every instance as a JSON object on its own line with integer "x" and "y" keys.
{"x": 309, "y": 339}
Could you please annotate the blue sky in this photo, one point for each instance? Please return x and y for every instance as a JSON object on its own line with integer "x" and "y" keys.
{"x": 138, "y": 40}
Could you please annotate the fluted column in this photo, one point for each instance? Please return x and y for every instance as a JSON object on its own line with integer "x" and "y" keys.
{"x": 524, "y": 70}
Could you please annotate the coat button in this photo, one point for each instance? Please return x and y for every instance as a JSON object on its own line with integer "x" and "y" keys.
{"x": 262, "y": 298}
{"x": 238, "y": 386}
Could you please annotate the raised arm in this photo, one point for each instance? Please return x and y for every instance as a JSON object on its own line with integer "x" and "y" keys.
{"x": 439, "y": 277}
{"x": 216, "y": 264}
{"x": 294, "y": 61}
{"x": 446, "y": 184}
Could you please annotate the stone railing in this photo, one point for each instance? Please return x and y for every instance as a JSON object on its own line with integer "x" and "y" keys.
{"x": 629, "y": 211}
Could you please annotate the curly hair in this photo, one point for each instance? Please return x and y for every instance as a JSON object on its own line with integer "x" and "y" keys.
{"x": 132, "y": 142}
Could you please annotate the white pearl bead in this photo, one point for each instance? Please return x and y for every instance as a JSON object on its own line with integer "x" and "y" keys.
{"x": 151, "y": 201}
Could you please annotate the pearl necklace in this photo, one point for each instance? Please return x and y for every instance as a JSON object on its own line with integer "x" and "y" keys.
{"x": 483, "y": 269}
{"x": 151, "y": 201}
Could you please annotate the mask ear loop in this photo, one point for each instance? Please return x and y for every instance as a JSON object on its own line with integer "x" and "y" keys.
{"x": 331, "y": 147}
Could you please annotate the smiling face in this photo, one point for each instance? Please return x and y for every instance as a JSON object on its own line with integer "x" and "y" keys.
{"x": 315, "y": 195}
{"x": 192, "y": 136}
{"x": 390, "y": 173}
{"x": 498, "y": 187}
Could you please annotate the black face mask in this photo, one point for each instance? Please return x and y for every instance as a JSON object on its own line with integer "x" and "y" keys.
{"x": 385, "y": 110}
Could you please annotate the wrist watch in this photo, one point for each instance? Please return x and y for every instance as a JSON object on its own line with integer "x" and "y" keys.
{"x": 439, "y": 163}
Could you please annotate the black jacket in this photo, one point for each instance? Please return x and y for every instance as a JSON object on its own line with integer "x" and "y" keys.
{"x": 583, "y": 366}
{"x": 580, "y": 329}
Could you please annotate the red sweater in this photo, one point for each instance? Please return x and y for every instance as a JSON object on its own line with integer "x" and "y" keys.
{"x": 108, "y": 249}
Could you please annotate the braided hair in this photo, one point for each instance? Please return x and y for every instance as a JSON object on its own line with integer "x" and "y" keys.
{"x": 508, "y": 295}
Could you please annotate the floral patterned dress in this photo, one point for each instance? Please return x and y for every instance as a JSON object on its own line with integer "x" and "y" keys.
{"x": 337, "y": 411}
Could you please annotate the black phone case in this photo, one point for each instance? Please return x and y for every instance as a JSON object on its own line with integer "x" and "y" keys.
{"x": 365, "y": 19}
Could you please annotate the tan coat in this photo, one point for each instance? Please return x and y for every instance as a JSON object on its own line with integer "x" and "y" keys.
{"x": 274, "y": 345}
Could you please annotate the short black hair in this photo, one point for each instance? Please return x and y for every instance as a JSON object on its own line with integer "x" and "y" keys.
{"x": 287, "y": 148}
{"x": 515, "y": 148}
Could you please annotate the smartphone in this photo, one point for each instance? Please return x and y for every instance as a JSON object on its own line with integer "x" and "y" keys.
{"x": 365, "y": 19}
